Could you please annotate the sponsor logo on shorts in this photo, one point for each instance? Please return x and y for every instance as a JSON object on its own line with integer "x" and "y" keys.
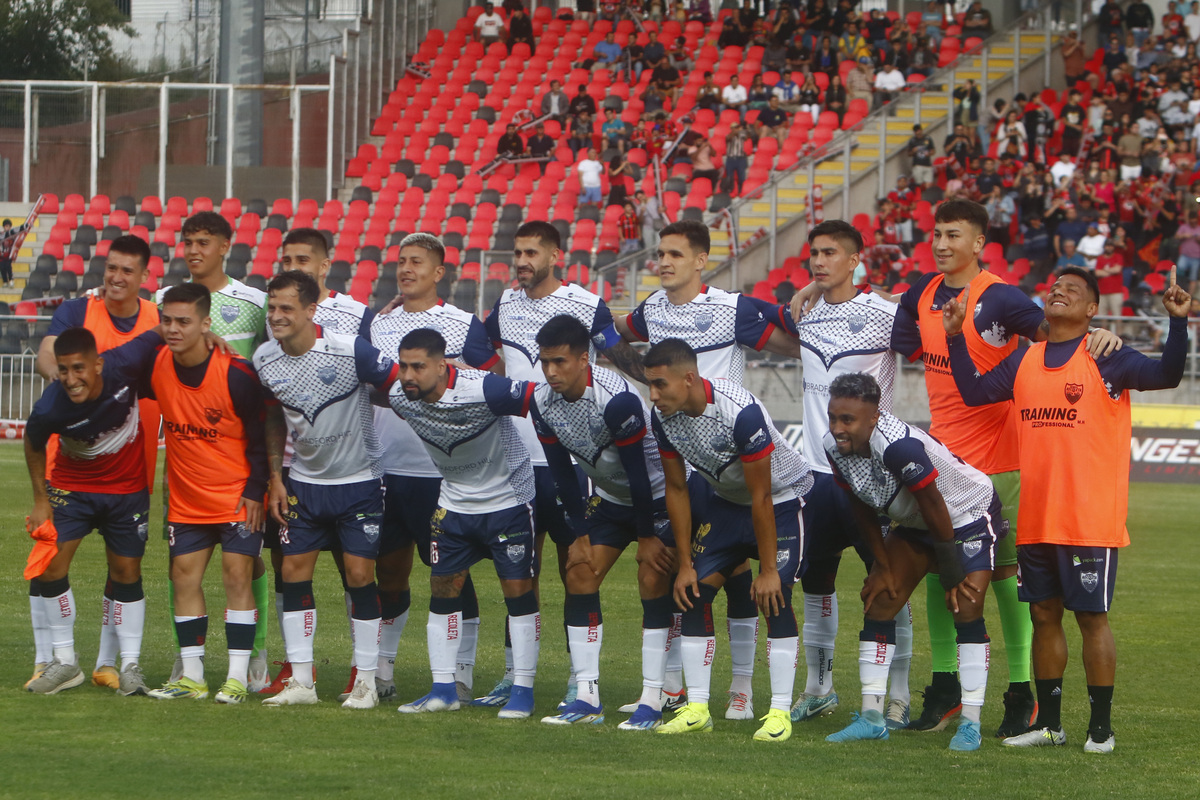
{"x": 515, "y": 552}
{"x": 1089, "y": 580}
{"x": 241, "y": 530}
{"x": 371, "y": 531}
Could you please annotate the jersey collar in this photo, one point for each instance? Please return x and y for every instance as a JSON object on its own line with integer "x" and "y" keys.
{"x": 708, "y": 391}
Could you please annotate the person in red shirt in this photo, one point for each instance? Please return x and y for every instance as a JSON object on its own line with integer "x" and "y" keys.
{"x": 1110, "y": 275}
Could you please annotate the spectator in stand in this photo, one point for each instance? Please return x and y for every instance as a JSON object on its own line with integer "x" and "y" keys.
{"x": 876, "y": 27}
{"x": 826, "y": 59}
{"x": 958, "y": 145}
{"x": 889, "y": 82}
{"x": 1139, "y": 19}
{"x": 556, "y": 103}
{"x": 989, "y": 178}
{"x": 581, "y": 102}
{"x": 807, "y": 98}
{"x": 631, "y": 63}
{"x": 774, "y": 120}
{"x": 709, "y": 94}
{"x": 920, "y": 150}
{"x": 860, "y": 81}
{"x": 701, "y": 154}
{"x": 618, "y": 171}
{"x": 1172, "y": 21}
{"x": 606, "y": 53}
{"x": 933, "y": 18}
{"x": 758, "y": 95}
{"x": 520, "y": 28}
{"x": 1110, "y": 21}
{"x": 788, "y": 91}
{"x": 613, "y": 132}
{"x": 851, "y": 44}
{"x": 1038, "y": 247}
{"x": 489, "y": 26}
{"x": 1091, "y": 246}
{"x": 836, "y": 98}
{"x": 1110, "y": 275}
{"x": 668, "y": 80}
{"x": 1074, "y": 118}
{"x": 735, "y": 160}
{"x": 581, "y": 133}
{"x": 1062, "y": 169}
{"x": 1148, "y": 124}
{"x": 590, "y": 169}
{"x": 775, "y": 54}
{"x": 1188, "y": 261}
{"x": 922, "y": 60}
{"x": 1191, "y": 22}
{"x": 699, "y": 11}
{"x": 654, "y": 54}
{"x": 1074, "y": 59}
{"x": 1114, "y": 57}
{"x": 1173, "y": 108}
{"x": 1069, "y": 231}
{"x": 630, "y": 226}
{"x": 653, "y": 220}
{"x": 879, "y": 259}
{"x": 1001, "y": 209}
{"x": 510, "y": 145}
{"x": 966, "y": 104}
{"x": 585, "y": 10}
{"x": 1129, "y": 148}
{"x": 734, "y": 96}
{"x": 799, "y": 53}
{"x": 679, "y": 58}
{"x": 977, "y": 22}
{"x": 540, "y": 144}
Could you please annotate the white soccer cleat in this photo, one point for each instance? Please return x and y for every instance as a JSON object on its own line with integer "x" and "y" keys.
{"x": 362, "y": 696}
{"x": 294, "y": 693}
{"x": 739, "y": 706}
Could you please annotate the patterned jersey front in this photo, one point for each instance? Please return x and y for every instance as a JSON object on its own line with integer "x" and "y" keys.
{"x": 341, "y": 313}
{"x": 904, "y": 458}
{"x": 610, "y": 414}
{"x": 733, "y": 428}
{"x": 839, "y": 339}
{"x": 513, "y": 327}
{"x": 466, "y": 341}
{"x": 470, "y": 437}
{"x": 239, "y": 316}
{"x": 327, "y": 404}
{"x": 716, "y": 324}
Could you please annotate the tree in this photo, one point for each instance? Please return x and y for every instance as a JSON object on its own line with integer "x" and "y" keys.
{"x": 57, "y": 39}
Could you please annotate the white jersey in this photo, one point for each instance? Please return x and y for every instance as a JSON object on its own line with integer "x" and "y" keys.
{"x": 513, "y": 327}
{"x": 839, "y": 339}
{"x": 733, "y": 428}
{"x": 341, "y": 313}
{"x": 904, "y": 458}
{"x": 326, "y": 401}
{"x": 610, "y": 414}
{"x": 470, "y": 436}
{"x": 402, "y": 451}
{"x": 716, "y": 324}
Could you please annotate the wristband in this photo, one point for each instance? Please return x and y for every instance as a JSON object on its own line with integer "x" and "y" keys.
{"x": 950, "y": 571}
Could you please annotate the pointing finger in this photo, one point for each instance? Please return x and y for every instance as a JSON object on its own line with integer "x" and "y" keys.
{"x": 1172, "y": 274}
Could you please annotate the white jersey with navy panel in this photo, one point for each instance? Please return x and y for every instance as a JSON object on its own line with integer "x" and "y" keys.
{"x": 608, "y": 415}
{"x": 733, "y": 428}
{"x": 341, "y": 313}
{"x": 905, "y": 458}
{"x": 326, "y": 401}
{"x": 839, "y": 339}
{"x": 716, "y": 324}
{"x": 513, "y": 327}
{"x": 466, "y": 341}
{"x": 470, "y": 435}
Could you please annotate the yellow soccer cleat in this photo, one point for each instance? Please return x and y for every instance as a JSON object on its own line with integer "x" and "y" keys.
{"x": 693, "y": 718}
{"x": 777, "y": 727}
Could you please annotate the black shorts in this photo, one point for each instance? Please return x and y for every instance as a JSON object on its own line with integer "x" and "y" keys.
{"x": 234, "y": 537}
{"x": 1084, "y": 577}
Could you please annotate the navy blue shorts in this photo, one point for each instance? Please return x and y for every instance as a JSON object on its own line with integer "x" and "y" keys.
{"x": 615, "y": 525}
{"x": 323, "y": 515}
{"x": 699, "y": 493}
{"x": 408, "y": 506}
{"x": 976, "y": 542}
{"x": 234, "y": 537}
{"x": 1084, "y": 577}
{"x": 547, "y": 511}
{"x": 271, "y": 534}
{"x": 459, "y": 541}
{"x": 829, "y": 523}
{"x": 726, "y": 539}
{"x": 122, "y": 519}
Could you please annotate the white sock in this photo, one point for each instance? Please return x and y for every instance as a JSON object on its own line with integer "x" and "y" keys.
{"x": 585, "y": 643}
{"x": 874, "y": 658}
{"x": 106, "y": 656}
{"x": 299, "y": 628}
{"x": 508, "y": 659}
{"x": 673, "y": 676}
{"x": 743, "y": 638}
{"x": 902, "y": 660}
{"x": 464, "y": 671}
{"x": 129, "y": 620}
{"x": 973, "y": 659}
{"x": 239, "y": 660}
{"x": 60, "y": 622}
{"x": 820, "y": 633}
{"x": 302, "y": 671}
{"x": 697, "y": 665}
{"x": 279, "y": 616}
{"x": 43, "y": 648}
{"x": 366, "y": 644}
{"x": 442, "y": 633}
{"x": 192, "y": 655}
{"x": 350, "y": 621}
{"x": 390, "y": 631}
{"x": 782, "y": 655}
{"x": 526, "y": 634}
{"x": 654, "y": 662}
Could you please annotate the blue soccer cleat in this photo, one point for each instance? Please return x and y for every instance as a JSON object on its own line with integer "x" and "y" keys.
{"x": 644, "y": 718}
{"x": 577, "y": 713}
{"x": 498, "y": 696}
{"x": 967, "y": 737}
{"x": 519, "y": 705}
{"x": 443, "y": 697}
{"x": 811, "y": 706}
{"x": 868, "y": 725}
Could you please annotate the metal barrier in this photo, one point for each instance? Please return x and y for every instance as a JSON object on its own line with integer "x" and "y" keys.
{"x": 20, "y": 386}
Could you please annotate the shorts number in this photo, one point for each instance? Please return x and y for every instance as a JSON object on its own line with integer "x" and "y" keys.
{"x": 170, "y": 535}
{"x": 283, "y": 535}
{"x": 433, "y": 552}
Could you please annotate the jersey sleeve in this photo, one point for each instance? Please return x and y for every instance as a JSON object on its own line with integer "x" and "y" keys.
{"x": 636, "y": 320}
{"x": 40, "y": 424}
{"x": 980, "y": 390}
{"x": 752, "y": 326}
{"x": 1127, "y": 369}
{"x": 478, "y": 350}
{"x": 906, "y": 335}
{"x": 364, "y": 325}
{"x": 908, "y": 461}
{"x": 491, "y": 325}
{"x": 752, "y": 435}
{"x": 1014, "y": 309}
{"x": 133, "y": 359}
{"x": 248, "y": 405}
{"x": 545, "y": 433}
{"x": 604, "y": 330}
{"x": 506, "y": 397}
{"x": 373, "y": 366}
{"x": 665, "y": 448}
{"x": 70, "y": 314}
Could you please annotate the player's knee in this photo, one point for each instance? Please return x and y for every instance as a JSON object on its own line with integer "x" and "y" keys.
{"x": 446, "y": 586}
{"x": 698, "y": 620}
{"x": 820, "y": 576}
{"x": 1047, "y": 612}
{"x": 126, "y": 570}
{"x": 364, "y": 602}
{"x": 658, "y": 612}
{"x": 652, "y": 583}
{"x": 1092, "y": 623}
{"x": 783, "y": 625}
{"x": 127, "y": 592}
{"x": 297, "y": 595}
{"x": 581, "y": 580}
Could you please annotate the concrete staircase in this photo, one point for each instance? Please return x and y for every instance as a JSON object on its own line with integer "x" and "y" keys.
{"x": 24, "y": 261}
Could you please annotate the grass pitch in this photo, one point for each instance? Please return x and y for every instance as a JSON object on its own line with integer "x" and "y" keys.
{"x": 88, "y": 743}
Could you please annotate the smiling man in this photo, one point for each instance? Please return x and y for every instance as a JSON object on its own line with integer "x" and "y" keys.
{"x": 1072, "y": 420}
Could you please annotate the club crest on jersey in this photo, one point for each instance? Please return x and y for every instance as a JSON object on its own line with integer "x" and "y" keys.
{"x": 213, "y": 415}
{"x": 704, "y": 321}
{"x": 230, "y": 313}
{"x": 857, "y": 322}
{"x": 972, "y": 548}
{"x": 327, "y": 375}
{"x": 515, "y": 552}
{"x": 1089, "y": 580}
{"x": 1073, "y": 391}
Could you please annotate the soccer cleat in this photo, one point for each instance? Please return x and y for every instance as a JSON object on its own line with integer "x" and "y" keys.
{"x": 133, "y": 681}
{"x": 674, "y": 701}
{"x": 183, "y": 689}
{"x": 777, "y": 727}
{"x": 285, "y": 672}
{"x": 498, "y": 696}
{"x": 464, "y": 693}
{"x": 349, "y": 685}
{"x": 519, "y": 705}
{"x": 1020, "y": 714}
{"x": 571, "y": 696}
{"x": 106, "y": 677}
{"x": 38, "y": 669}
{"x": 577, "y": 713}
{"x": 937, "y": 711}
{"x": 867, "y": 725}
{"x": 385, "y": 689}
{"x": 1105, "y": 746}
{"x": 896, "y": 718}
{"x": 259, "y": 676}
{"x": 442, "y": 697}
{"x": 967, "y": 737}
{"x": 294, "y": 693}
{"x": 362, "y": 696}
{"x": 57, "y": 677}
{"x": 692, "y": 718}
{"x": 811, "y": 706}
{"x": 1037, "y": 737}
{"x": 739, "y": 706}
{"x": 644, "y": 718}
{"x": 232, "y": 692}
